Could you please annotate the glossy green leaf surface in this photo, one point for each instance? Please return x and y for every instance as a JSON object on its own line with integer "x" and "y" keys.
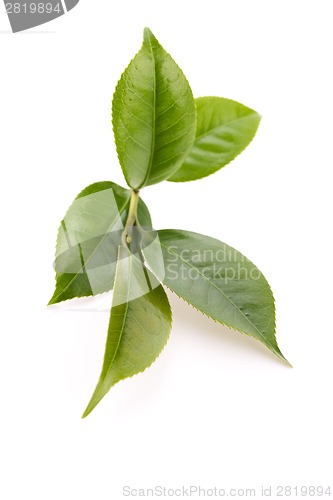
{"x": 88, "y": 240}
{"x": 219, "y": 281}
{"x": 139, "y": 325}
{"x": 153, "y": 116}
{"x": 224, "y": 129}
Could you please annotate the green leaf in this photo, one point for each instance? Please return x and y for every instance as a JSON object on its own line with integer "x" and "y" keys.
{"x": 224, "y": 129}
{"x": 218, "y": 280}
{"x": 88, "y": 240}
{"x": 153, "y": 115}
{"x": 139, "y": 325}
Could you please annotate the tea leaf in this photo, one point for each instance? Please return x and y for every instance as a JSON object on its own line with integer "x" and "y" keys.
{"x": 219, "y": 281}
{"x": 224, "y": 129}
{"x": 139, "y": 325}
{"x": 154, "y": 117}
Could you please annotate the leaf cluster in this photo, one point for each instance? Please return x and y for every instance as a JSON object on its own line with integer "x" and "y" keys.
{"x": 106, "y": 240}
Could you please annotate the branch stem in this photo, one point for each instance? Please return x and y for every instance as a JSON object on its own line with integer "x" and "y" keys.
{"x": 131, "y": 218}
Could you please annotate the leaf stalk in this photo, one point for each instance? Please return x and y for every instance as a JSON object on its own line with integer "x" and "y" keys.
{"x": 131, "y": 218}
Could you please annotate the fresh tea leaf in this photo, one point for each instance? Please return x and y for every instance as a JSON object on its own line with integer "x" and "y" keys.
{"x": 219, "y": 281}
{"x": 224, "y": 129}
{"x": 139, "y": 325}
{"x": 88, "y": 240}
{"x": 153, "y": 115}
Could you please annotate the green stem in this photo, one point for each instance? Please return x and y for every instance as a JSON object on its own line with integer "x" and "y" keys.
{"x": 131, "y": 218}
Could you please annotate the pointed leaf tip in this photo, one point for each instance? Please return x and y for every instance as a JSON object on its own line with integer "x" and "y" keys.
{"x": 282, "y": 358}
{"x": 148, "y": 33}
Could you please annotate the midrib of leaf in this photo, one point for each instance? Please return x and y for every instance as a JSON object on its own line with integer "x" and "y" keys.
{"x": 217, "y": 288}
{"x": 63, "y": 225}
{"x": 93, "y": 253}
{"x": 154, "y": 118}
{"x": 214, "y": 129}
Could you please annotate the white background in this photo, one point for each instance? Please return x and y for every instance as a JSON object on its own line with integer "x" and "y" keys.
{"x": 216, "y": 409}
